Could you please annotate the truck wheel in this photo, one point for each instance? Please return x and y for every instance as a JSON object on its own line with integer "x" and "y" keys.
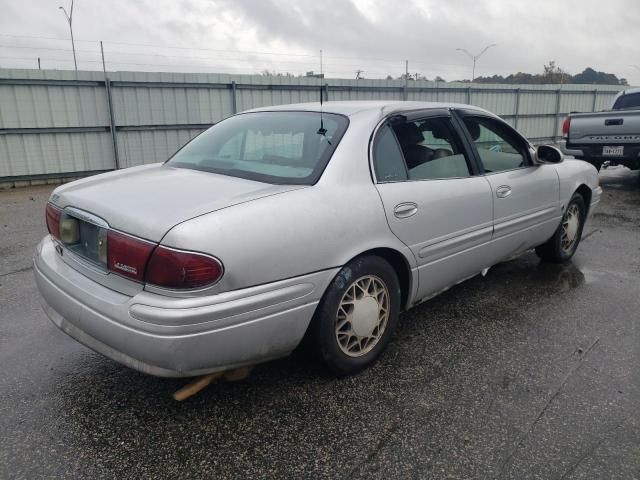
{"x": 357, "y": 316}
{"x": 564, "y": 243}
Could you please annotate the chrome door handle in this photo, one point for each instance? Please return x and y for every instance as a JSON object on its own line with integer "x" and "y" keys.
{"x": 503, "y": 191}
{"x": 405, "y": 209}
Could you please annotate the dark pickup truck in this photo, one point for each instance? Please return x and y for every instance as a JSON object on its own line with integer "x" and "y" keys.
{"x": 611, "y": 136}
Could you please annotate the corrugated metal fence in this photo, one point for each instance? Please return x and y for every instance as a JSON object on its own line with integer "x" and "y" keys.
{"x": 62, "y": 123}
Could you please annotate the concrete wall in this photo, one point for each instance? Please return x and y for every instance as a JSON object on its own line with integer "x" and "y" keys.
{"x": 56, "y": 124}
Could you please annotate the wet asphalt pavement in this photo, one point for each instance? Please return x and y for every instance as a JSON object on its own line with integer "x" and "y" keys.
{"x": 530, "y": 372}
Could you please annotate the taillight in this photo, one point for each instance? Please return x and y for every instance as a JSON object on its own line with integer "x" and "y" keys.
{"x": 52, "y": 215}
{"x": 127, "y": 256}
{"x": 565, "y": 127}
{"x": 178, "y": 269}
{"x": 139, "y": 259}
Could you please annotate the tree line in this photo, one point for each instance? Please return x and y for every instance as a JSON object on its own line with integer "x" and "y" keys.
{"x": 551, "y": 74}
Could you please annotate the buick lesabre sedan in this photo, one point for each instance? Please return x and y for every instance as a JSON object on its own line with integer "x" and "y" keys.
{"x": 290, "y": 222}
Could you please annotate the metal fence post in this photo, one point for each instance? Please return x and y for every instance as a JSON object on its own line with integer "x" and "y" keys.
{"x": 406, "y": 80}
{"x": 517, "y": 108}
{"x": 112, "y": 123}
{"x": 234, "y": 99}
{"x": 556, "y": 123}
{"x": 595, "y": 99}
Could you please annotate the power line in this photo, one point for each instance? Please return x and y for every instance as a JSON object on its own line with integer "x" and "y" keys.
{"x": 111, "y": 55}
{"x": 256, "y": 52}
{"x": 220, "y": 59}
{"x": 231, "y": 51}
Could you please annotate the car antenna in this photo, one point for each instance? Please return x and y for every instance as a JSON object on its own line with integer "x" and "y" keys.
{"x": 322, "y": 131}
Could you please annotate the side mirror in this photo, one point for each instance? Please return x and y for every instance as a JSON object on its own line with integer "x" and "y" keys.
{"x": 549, "y": 154}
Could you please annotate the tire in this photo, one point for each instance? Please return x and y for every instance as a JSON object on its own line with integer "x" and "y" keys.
{"x": 564, "y": 242}
{"x": 347, "y": 349}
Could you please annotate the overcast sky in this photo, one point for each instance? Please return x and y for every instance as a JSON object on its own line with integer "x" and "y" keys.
{"x": 372, "y": 35}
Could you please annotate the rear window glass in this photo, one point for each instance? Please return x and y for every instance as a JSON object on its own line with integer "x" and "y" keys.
{"x": 632, "y": 100}
{"x": 272, "y": 147}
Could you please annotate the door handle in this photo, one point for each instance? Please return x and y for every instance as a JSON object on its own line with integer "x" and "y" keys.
{"x": 503, "y": 191}
{"x": 405, "y": 209}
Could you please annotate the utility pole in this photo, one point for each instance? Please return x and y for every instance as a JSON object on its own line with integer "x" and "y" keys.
{"x": 38, "y": 63}
{"x": 475, "y": 58}
{"x": 104, "y": 68}
{"x": 69, "y": 17}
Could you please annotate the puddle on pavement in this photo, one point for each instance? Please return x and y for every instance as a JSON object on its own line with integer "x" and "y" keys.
{"x": 620, "y": 179}
{"x": 530, "y": 274}
{"x": 560, "y": 278}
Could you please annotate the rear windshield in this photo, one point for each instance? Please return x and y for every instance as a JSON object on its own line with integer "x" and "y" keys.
{"x": 272, "y": 147}
{"x": 631, "y": 100}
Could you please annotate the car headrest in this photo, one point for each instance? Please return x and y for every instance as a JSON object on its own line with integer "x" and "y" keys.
{"x": 408, "y": 133}
{"x": 474, "y": 128}
{"x": 439, "y": 131}
{"x": 437, "y": 128}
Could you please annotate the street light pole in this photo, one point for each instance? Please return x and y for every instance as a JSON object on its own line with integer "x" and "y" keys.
{"x": 69, "y": 17}
{"x": 475, "y": 58}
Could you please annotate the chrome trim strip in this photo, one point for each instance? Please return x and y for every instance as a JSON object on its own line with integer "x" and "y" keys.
{"x": 86, "y": 217}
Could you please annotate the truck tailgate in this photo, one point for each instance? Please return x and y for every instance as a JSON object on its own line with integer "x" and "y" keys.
{"x": 616, "y": 127}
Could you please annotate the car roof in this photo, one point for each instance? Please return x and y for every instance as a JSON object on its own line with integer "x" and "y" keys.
{"x": 349, "y": 108}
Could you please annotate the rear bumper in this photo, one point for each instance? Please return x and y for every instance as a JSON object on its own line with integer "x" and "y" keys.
{"x": 574, "y": 152}
{"x": 178, "y": 337}
{"x": 593, "y": 152}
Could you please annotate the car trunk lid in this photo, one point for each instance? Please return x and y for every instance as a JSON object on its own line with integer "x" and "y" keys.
{"x": 148, "y": 201}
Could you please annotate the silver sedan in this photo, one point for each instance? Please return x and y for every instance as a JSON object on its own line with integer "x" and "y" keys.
{"x": 289, "y": 223}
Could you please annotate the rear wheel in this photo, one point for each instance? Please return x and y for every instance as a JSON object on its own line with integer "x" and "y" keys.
{"x": 357, "y": 315}
{"x": 564, "y": 243}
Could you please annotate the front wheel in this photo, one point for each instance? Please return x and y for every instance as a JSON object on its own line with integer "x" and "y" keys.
{"x": 357, "y": 315}
{"x": 564, "y": 243}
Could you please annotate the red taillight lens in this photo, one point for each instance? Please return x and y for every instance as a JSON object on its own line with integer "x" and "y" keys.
{"x": 127, "y": 256}
{"x": 565, "y": 127}
{"x": 178, "y": 269}
{"x": 52, "y": 215}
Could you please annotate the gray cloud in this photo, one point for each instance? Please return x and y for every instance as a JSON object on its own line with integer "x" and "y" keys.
{"x": 356, "y": 34}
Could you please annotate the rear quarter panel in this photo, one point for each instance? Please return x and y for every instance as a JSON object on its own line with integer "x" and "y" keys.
{"x": 290, "y": 234}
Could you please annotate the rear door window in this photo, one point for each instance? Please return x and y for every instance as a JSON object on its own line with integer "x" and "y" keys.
{"x": 432, "y": 149}
{"x": 387, "y": 157}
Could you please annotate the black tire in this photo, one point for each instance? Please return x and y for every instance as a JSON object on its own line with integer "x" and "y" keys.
{"x": 552, "y": 250}
{"x": 323, "y": 337}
